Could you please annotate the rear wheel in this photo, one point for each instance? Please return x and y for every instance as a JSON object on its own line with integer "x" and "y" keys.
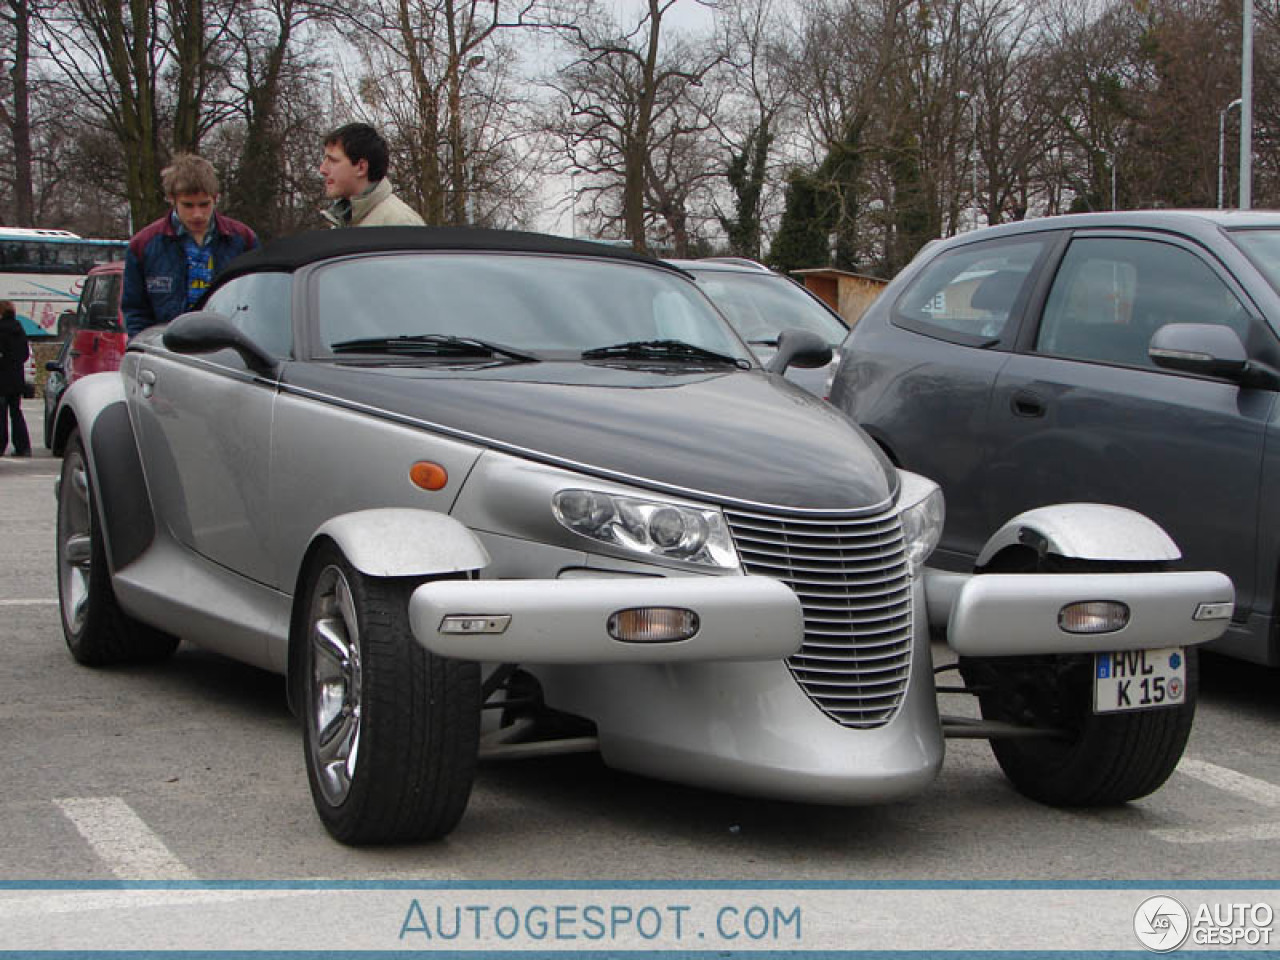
{"x": 1084, "y": 759}
{"x": 391, "y": 731}
{"x": 97, "y": 631}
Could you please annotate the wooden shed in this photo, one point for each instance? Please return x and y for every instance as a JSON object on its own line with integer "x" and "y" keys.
{"x": 848, "y": 294}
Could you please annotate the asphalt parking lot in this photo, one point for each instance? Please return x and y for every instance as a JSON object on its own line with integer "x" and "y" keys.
{"x": 193, "y": 769}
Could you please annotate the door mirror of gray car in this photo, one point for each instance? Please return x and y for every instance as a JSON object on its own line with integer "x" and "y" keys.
{"x": 205, "y": 331}
{"x": 1210, "y": 350}
{"x": 799, "y": 348}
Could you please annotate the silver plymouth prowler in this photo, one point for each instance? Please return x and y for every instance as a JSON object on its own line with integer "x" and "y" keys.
{"x": 436, "y": 476}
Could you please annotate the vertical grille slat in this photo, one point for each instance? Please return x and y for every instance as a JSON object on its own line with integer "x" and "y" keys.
{"x": 851, "y": 577}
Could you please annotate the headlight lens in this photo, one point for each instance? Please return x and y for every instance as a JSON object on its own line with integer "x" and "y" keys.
{"x": 650, "y": 527}
{"x": 923, "y": 513}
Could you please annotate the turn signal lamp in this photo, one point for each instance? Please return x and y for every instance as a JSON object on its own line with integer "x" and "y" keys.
{"x": 653, "y": 625}
{"x": 428, "y": 475}
{"x": 1094, "y": 616}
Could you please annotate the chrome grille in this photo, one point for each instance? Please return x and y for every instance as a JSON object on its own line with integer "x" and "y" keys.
{"x": 851, "y": 577}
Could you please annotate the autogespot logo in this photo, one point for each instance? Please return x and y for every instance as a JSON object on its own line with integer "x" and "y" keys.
{"x": 1161, "y": 923}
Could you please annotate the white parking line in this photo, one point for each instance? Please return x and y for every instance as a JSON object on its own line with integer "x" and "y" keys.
{"x": 1252, "y": 832}
{"x": 33, "y": 602}
{"x": 1251, "y": 788}
{"x": 124, "y": 843}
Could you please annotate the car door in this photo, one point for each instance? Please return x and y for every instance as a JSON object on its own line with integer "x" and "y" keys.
{"x": 920, "y": 383}
{"x": 204, "y": 425}
{"x": 1080, "y": 412}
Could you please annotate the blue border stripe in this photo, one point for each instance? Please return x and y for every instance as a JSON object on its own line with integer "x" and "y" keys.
{"x": 599, "y": 885}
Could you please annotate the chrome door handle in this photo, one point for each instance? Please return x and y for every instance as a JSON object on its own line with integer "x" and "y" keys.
{"x": 148, "y": 380}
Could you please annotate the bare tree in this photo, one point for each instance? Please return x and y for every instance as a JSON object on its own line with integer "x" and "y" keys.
{"x": 747, "y": 123}
{"x": 143, "y": 70}
{"x": 15, "y": 107}
{"x": 438, "y": 71}
{"x": 632, "y": 112}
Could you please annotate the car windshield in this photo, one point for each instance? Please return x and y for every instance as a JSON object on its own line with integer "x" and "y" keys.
{"x": 539, "y": 306}
{"x": 1263, "y": 248}
{"x": 760, "y": 306}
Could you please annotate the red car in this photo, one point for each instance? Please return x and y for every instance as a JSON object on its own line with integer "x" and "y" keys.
{"x": 95, "y": 340}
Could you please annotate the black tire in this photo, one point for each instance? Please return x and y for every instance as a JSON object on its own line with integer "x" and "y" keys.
{"x": 1104, "y": 759}
{"x": 390, "y": 731}
{"x": 97, "y": 631}
{"x": 1098, "y": 759}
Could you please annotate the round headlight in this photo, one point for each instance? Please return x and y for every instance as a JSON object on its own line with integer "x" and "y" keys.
{"x": 677, "y": 531}
{"x": 584, "y": 509}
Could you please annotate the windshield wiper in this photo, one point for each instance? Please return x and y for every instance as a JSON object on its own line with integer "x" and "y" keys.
{"x": 662, "y": 350}
{"x": 432, "y": 345}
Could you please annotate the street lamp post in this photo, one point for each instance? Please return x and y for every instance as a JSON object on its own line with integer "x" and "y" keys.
{"x": 1246, "y": 110}
{"x": 964, "y": 96}
{"x": 1222, "y": 148}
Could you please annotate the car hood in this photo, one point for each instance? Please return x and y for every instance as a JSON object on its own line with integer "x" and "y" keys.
{"x": 739, "y": 437}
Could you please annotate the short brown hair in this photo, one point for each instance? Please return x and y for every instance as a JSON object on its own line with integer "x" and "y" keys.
{"x": 189, "y": 173}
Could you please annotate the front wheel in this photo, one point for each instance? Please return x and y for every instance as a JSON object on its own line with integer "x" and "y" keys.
{"x": 1085, "y": 759}
{"x": 97, "y": 631}
{"x": 391, "y": 731}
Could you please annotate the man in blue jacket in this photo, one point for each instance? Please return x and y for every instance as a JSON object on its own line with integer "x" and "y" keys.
{"x": 173, "y": 261}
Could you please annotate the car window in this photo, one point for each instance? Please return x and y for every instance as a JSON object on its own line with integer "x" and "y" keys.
{"x": 86, "y": 297}
{"x": 529, "y": 303}
{"x": 260, "y": 305}
{"x": 761, "y": 306}
{"x": 1111, "y": 294}
{"x": 970, "y": 294}
{"x": 103, "y": 288}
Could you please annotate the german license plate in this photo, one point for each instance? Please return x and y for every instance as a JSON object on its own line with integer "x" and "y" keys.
{"x": 1139, "y": 679}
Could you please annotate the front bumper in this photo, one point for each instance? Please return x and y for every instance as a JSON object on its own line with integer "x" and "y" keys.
{"x": 565, "y": 621}
{"x": 993, "y": 615}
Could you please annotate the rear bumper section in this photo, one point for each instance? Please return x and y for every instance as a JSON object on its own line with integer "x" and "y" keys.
{"x": 566, "y": 621}
{"x": 993, "y": 615}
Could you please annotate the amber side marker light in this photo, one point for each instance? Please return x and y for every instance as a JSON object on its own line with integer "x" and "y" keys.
{"x": 1094, "y": 616}
{"x": 653, "y": 625}
{"x": 428, "y": 475}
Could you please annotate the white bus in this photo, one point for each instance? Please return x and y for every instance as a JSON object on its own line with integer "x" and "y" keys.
{"x": 42, "y": 272}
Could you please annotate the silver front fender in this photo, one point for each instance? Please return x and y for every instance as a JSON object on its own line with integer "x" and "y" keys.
{"x": 1085, "y": 531}
{"x": 398, "y": 542}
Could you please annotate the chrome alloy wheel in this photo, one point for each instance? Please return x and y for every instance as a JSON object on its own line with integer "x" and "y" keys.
{"x": 334, "y": 704}
{"x": 75, "y": 537}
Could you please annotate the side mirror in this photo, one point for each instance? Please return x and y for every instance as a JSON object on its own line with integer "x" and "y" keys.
{"x": 1209, "y": 350}
{"x": 205, "y": 331}
{"x": 103, "y": 316}
{"x": 799, "y": 348}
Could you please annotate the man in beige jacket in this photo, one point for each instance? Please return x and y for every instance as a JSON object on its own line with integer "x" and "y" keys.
{"x": 355, "y": 171}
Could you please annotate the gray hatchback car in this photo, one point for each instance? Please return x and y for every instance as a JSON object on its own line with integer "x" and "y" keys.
{"x": 1127, "y": 358}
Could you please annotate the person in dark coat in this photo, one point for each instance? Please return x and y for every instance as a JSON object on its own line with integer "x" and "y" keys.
{"x": 14, "y": 351}
{"x": 172, "y": 262}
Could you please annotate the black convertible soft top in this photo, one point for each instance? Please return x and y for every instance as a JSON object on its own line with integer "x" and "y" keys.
{"x": 290, "y": 253}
